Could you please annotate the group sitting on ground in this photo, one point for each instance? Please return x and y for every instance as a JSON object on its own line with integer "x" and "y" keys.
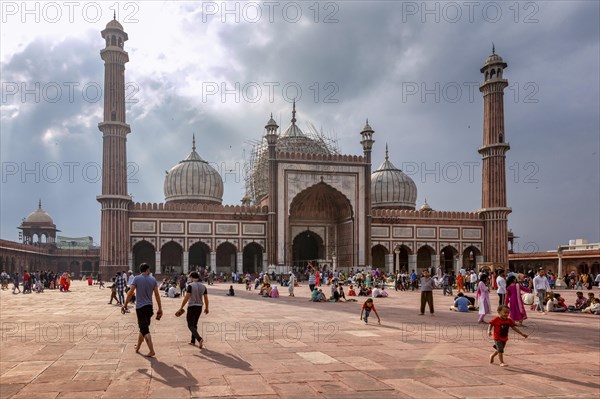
{"x": 463, "y": 303}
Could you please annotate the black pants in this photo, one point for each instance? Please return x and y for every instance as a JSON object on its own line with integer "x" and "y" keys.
{"x": 501, "y": 299}
{"x": 427, "y": 297}
{"x": 144, "y": 315}
{"x": 192, "y": 317}
{"x": 312, "y": 287}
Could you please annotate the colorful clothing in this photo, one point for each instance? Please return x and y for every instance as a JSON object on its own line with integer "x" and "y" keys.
{"x": 501, "y": 328}
{"x": 515, "y": 302}
{"x": 483, "y": 297}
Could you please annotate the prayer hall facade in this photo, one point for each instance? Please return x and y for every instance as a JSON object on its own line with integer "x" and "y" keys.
{"x": 304, "y": 201}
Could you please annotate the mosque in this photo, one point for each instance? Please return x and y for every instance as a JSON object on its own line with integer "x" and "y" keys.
{"x": 304, "y": 201}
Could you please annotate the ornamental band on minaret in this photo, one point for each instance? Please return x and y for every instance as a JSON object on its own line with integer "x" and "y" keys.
{"x": 493, "y": 199}
{"x": 114, "y": 238}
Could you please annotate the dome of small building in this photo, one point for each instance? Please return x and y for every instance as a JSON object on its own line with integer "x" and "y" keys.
{"x": 39, "y": 217}
{"x": 193, "y": 180}
{"x": 392, "y": 188}
{"x": 425, "y": 207}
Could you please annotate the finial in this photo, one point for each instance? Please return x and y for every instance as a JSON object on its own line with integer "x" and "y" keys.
{"x": 193, "y": 141}
{"x": 115, "y": 15}
{"x": 386, "y": 151}
{"x": 271, "y": 115}
{"x": 294, "y": 112}
{"x": 493, "y": 48}
{"x": 40, "y": 203}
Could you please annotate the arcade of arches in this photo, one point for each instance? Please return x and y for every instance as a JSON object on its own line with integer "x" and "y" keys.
{"x": 400, "y": 259}
{"x": 324, "y": 208}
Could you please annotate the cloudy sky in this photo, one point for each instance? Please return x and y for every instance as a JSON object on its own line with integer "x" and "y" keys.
{"x": 219, "y": 69}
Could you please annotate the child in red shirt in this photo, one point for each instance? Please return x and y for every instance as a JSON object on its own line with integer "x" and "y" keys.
{"x": 501, "y": 325}
{"x": 367, "y": 307}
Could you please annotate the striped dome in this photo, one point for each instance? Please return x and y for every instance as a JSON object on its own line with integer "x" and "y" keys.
{"x": 392, "y": 188}
{"x": 193, "y": 180}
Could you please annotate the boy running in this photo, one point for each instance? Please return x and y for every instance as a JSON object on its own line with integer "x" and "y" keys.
{"x": 501, "y": 325}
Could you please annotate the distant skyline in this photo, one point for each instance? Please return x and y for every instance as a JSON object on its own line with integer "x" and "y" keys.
{"x": 414, "y": 72}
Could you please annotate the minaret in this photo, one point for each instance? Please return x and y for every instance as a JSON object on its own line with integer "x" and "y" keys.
{"x": 271, "y": 137}
{"x": 114, "y": 228}
{"x": 367, "y": 144}
{"x": 493, "y": 199}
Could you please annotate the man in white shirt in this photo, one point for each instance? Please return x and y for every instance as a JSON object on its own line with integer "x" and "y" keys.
{"x": 541, "y": 285}
{"x": 501, "y": 282}
{"x": 376, "y": 293}
{"x": 474, "y": 281}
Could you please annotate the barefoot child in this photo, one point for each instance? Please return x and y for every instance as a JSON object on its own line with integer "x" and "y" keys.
{"x": 367, "y": 307}
{"x": 501, "y": 324}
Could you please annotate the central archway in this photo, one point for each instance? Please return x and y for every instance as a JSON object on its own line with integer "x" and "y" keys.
{"x": 321, "y": 223}
{"x": 308, "y": 246}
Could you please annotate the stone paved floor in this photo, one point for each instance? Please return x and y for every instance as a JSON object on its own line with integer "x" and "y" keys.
{"x": 74, "y": 345}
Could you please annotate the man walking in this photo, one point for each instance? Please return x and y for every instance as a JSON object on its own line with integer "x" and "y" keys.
{"x": 195, "y": 293}
{"x": 413, "y": 280}
{"x": 541, "y": 285}
{"x": 291, "y": 283}
{"x": 427, "y": 286}
{"x": 501, "y": 282}
{"x": 143, "y": 286}
{"x": 447, "y": 284}
{"x": 120, "y": 284}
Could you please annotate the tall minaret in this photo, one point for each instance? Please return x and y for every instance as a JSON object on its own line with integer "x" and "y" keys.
{"x": 493, "y": 199}
{"x": 271, "y": 136}
{"x": 367, "y": 144}
{"x": 114, "y": 228}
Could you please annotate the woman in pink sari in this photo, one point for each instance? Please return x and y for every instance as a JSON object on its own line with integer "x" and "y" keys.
{"x": 483, "y": 298}
{"x": 514, "y": 300}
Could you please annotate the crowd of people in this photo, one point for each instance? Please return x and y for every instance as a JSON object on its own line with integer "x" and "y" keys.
{"x": 35, "y": 281}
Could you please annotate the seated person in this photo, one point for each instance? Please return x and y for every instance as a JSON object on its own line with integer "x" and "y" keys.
{"x": 471, "y": 301}
{"x": 317, "y": 295}
{"x": 274, "y": 292}
{"x": 266, "y": 291}
{"x": 335, "y": 297}
{"x": 590, "y": 300}
{"x": 594, "y": 308}
{"x": 164, "y": 285}
{"x": 172, "y": 292}
{"x": 341, "y": 291}
{"x": 461, "y": 304}
{"x": 231, "y": 292}
{"x": 550, "y": 305}
{"x": 560, "y": 303}
{"x": 351, "y": 291}
{"x": 580, "y": 302}
{"x": 363, "y": 290}
{"x": 376, "y": 293}
{"x": 383, "y": 293}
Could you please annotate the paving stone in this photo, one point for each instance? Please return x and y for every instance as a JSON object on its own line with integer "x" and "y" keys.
{"x": 317, "y": 357}
{"x": 336, "y": 355}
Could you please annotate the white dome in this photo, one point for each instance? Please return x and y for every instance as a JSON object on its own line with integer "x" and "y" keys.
{"x": 193, "y": 180}
{"x": 392, "y": 188}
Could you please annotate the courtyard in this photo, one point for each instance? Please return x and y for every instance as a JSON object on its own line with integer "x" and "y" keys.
{"x": 75, "y": 345}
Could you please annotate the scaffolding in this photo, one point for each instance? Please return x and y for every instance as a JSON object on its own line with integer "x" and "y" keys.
{"x": 256, "y": 166}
